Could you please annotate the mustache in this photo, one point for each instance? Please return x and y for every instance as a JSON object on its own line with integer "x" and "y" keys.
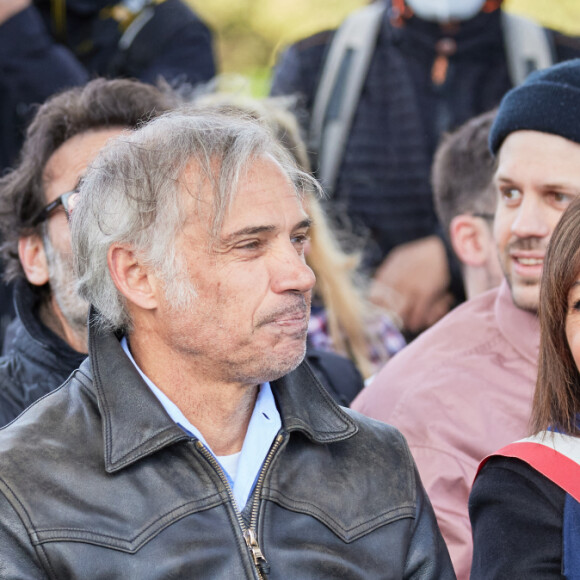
{"x": 300, "y": 308}
{"x": 528, "y": 245}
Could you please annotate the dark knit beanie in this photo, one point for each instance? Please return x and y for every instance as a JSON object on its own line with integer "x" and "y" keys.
{"x": 547, "y": 101}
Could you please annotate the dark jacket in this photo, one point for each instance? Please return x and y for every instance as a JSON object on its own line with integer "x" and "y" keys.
{"x": 37, "y": 62}
{"x": 32, "y": 67}
{"x": 512, "y": 501}
{"x": 96, "y": 481}
{"x": 36, "y": 360}
{"x": 336, "y": 373}
{"x": 173, "y": 43}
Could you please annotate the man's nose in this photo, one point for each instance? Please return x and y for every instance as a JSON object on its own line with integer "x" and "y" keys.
{"x": 289, "y": 272}
{"x": 531, "y": 219}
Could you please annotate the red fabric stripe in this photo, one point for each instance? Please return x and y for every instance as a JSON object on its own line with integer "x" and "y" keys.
{"x": 558, "y": 468}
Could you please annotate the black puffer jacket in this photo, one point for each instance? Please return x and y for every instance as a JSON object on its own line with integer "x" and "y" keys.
{"x": 37, "y": 360}
{"x": 96, "y": 481}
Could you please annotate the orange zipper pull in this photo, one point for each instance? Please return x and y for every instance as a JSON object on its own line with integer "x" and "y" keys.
{"x": 444, "y": 48}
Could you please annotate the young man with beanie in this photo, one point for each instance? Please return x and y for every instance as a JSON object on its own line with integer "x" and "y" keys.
{"x": 464, "y": 388}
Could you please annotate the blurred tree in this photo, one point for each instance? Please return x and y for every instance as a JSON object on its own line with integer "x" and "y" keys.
{"x": 561, "y": 15}
{"x": 249, "y": 33}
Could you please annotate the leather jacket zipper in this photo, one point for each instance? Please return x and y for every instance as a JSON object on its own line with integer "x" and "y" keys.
{"x": 250, "y": 534}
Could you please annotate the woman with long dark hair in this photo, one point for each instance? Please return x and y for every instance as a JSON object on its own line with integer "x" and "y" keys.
{"x": 524, "y": 506}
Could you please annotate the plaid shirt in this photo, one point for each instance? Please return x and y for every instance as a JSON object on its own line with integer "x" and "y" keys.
{"x": 382, "y": 327}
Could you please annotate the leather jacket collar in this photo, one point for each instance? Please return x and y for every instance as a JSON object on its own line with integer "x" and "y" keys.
{"x": 135, "y": 424}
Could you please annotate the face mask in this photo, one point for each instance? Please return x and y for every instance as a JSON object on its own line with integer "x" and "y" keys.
{"x": 445, "y": 10}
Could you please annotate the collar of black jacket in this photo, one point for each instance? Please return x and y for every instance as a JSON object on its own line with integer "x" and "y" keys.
{"x": 135, "y": 424}
{"x": 38, "y": 340}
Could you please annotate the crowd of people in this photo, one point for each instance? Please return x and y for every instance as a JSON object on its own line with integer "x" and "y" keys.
{"x": 331, "y": 333}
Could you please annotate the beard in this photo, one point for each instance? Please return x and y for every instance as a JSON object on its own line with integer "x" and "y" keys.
{"x": 525, "y": 291}
{"x": 241, "y": 358}
{"x": 63, "y": 287}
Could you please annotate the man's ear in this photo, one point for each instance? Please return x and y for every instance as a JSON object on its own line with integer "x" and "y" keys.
{"x": 469, "y": 239}
{"x": 33, "y": 259}
{"x": 132, "y": 278}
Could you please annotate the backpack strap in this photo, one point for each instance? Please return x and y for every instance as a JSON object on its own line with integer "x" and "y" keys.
{"x": 339, "y": 88}
{"x": 554, "y": 455}
{"x": 528, "y": 46}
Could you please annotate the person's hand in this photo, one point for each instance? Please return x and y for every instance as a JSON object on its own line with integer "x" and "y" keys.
{"x": 413, "y": 283}
{"x": 9, "y": 8}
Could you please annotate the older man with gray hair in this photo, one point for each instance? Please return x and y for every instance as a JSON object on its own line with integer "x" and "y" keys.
{"x": 192, "y": 442}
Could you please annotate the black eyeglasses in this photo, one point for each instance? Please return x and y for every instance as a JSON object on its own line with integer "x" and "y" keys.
{"x": 67, "y": 200}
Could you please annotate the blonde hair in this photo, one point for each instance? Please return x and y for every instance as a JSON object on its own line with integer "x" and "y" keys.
{"x": 339, "y": 285}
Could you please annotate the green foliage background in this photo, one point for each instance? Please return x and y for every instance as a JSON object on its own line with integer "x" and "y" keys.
{"x": 250, "y": 33}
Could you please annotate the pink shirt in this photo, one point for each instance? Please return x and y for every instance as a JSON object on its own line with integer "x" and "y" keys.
{"x": 459, "y": 392}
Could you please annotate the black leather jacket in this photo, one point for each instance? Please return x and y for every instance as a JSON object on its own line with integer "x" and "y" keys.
{"x": 96, "y": 481}
{"x": 36, "y": 361}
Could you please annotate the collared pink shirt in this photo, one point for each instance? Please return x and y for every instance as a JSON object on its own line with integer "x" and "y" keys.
{"x": 459, "y": 392}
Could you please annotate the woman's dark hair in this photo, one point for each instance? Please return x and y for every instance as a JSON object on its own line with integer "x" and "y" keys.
{"x": 557, "y": 394}
{"x": 99, "y": 104}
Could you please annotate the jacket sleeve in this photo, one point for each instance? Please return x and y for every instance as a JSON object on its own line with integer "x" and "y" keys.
{"x": 427, "y": 556}
{"x": 516, "y": 514}
{"x": 18, "y": 558}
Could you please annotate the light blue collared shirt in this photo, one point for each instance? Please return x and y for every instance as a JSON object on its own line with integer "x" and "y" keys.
{"x": 265, "y": 423}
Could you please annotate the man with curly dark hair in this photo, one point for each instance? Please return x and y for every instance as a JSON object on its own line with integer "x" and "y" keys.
{"x": 48, "y": 339}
